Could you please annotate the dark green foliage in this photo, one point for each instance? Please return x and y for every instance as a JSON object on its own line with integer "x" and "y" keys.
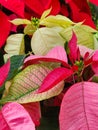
{"x": 16, "y": 63}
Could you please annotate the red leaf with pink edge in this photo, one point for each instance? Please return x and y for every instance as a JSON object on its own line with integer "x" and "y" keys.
{"x": 4, "y": 28}
{"x": 38, "y": 6}
{"x": 95, "y": 62}
{"x": 79, "y": 108}
{"x": 73, "y": 54}
{"x": 94, "y": 2}
{"x": 57, "y": 54}
{"x": 54, "y": 77}
{"x": 13, "y": 116}
{"x": 34, "y": 111}
{"x": 4, "y": 70}
{"x": 16, "y": 6}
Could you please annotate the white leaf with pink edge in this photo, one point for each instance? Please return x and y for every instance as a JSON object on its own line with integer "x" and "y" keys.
{"x": 57, "y": 54}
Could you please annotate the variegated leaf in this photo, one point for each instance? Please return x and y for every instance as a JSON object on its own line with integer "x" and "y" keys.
{"x": 25, "y": 85}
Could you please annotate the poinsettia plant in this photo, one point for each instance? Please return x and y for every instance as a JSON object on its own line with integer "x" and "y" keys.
{"x": 49, "y": 56}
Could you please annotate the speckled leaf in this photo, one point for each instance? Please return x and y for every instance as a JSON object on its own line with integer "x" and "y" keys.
{"x": 25, "y": 85}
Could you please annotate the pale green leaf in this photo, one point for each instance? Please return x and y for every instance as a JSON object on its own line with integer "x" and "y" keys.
{"x": 25, "y": 85}
{"x": 89, "y": 29}
{"x": 45, "y": 13}
{"x": 29, "y": 29}
{"x": 58, "y": 20}
{"x": 15, "y": 45}
{"x": 20, "y": 21}
{"x": 96, "y": 41}
{"x": 84, "y": 35}
{"x": 44, "y": 39}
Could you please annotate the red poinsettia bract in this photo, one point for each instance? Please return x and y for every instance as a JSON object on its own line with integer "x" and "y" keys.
{"x": 4, "y": 70}
{"x": 80, "y": 11}
{"x": 5, "y": 27}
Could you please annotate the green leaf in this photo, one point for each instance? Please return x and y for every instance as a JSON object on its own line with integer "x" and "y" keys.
{"x": 45, "y": 39}
{"x": 25, "y": 85}
{"x": 16, "y": 62}
{"x": 29, "y": 29}
{"x": 84, "y": 35}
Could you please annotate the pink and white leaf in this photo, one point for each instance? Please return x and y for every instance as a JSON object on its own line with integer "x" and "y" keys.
{"x": 84, "y": 50}
{"x": 4, "y": 70}
{"x": 57, "y": 54}
{"x": 79, "y": 108}
{"x": 13, "y": 116}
